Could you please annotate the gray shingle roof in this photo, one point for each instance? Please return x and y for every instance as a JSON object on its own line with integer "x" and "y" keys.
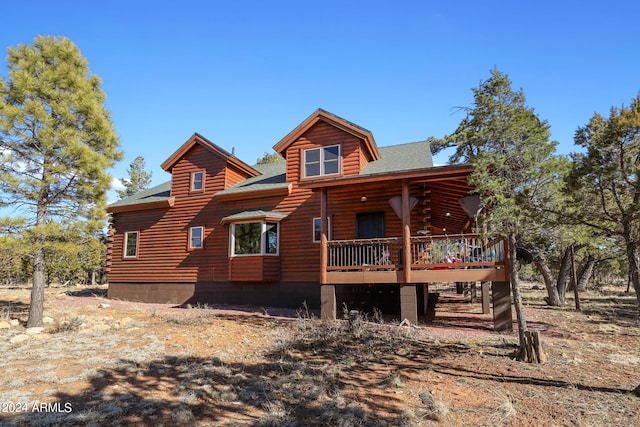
{"x": 402, "y": 157}
{"x": 394, "y": 158}
{"x": 273, "y": 176}
{"x": 253, "y": 215}
{"x": 158, "y": 193}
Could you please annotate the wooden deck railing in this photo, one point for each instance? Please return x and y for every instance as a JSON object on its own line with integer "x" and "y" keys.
{"x": 427, "y": 252}
{"x": 359, "y": 254}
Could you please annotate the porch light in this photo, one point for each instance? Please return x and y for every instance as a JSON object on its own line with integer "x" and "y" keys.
{"x": 363, "y": 199}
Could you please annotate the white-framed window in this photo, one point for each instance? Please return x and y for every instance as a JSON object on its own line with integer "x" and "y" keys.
{"x": 316, "y": 229}
{"x": 255, "y": 238}
{"x": 197, "y": 181}
{"x": 196, "y": 237}
{"x": 322, "y": 161}
{"x": 131, "y": 244}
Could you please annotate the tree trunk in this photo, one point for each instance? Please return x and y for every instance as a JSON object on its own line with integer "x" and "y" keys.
{"x": 564, "y": 275}
{"x": 634, "y": 266}
{"x": 574, "y": 278}
{"x": 36, "y": 306}
{"x": 565, "y": 271}
{"x": 553, "y": 299}
{"x": 517, "y": 296}
{"x": 585, "y": 273}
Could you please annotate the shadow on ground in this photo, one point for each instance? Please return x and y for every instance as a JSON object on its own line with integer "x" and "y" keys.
{"x": 325, "y": 373}
{"x": 88, "y": 292}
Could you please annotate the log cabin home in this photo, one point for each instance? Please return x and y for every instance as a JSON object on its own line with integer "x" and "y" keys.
{"x": 340, "y": 220}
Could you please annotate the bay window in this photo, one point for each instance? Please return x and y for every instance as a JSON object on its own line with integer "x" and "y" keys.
{"x": 254, "y": 238}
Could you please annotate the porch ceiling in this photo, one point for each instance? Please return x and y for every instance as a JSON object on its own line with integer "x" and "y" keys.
{"x": 446, "y": 211}
{"x": 437, "y": 193}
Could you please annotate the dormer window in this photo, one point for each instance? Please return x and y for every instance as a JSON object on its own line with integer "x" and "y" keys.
{"x": 322, "y": 161}
{"x": 197, "y": 181}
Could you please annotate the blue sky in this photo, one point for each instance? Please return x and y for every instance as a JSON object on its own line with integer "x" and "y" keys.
{"x": 245, "y": 73}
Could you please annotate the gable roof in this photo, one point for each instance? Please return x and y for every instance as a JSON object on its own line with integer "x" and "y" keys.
{"x": 199, "y": 139}
{"x": 333, "y": 120}
{"x": 155, "y": 197}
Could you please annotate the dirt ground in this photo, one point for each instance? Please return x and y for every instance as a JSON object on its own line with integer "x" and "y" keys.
{"x": 105, "y": 362}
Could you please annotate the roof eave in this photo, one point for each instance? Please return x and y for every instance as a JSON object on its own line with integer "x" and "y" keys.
{"x": 254, "y": 194}
{"x": 144, "y": 206}
{"x": 259, "y": 215}
{"x": 431, "y": 174}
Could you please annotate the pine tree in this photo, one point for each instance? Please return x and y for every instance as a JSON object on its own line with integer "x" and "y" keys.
{"x": 139, "y": 179}
{"x": 269, "y": 158}
{"x": 509, "y": 148}
{"x": 57, "y": 141}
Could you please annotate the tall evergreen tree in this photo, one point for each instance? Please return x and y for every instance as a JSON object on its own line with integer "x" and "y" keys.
{"x": 139, "y": 179}
{"x": 57, "y": 141}
{"x": 604, "y": 184}
{"x": 509, "y": 148}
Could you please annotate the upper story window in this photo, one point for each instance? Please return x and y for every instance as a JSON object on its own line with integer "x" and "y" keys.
{"x": 196, "y": 237}
{"x": 322, "y": 161}
{"x": 197, "y": 181}
{"x": 254, "y": 238}
{"x": 131, "y": 244}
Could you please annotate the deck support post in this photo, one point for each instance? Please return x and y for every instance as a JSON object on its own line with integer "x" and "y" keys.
{"x": 502, "y": 315}
{"x": 328, "y": 302}
{"x": 327, "y": 292}
{"x": 406, "y": 233}
{"x": 323, "y": 237}
{"x": 486, "y": 299}
{"x": 409, "y": 303}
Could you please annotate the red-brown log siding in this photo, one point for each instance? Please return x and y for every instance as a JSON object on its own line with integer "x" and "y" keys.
{"x": 164, "y": 257}
{"x": 255, "y": 268}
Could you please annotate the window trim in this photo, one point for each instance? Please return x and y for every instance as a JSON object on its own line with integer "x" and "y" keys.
{"x": 321, "y": 161}
{"x": 191, "y": 247}
{"x": 125, "y": 244}
{"x": 193, "y": 181}
{"x": 313, "y": 229}
{"x": 263, "y": 238}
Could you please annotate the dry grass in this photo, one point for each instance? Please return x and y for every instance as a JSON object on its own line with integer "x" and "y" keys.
{"x": 191, "y": 367}
{"x": 504, "y": 408}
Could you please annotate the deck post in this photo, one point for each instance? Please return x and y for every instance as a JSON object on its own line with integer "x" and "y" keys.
{"x": 409, "y": 303}
{"x": 485, "y": 297}
{"x": 406, "y": 233}
{"x": 323, "y": 237}
{"x": 327, "y": 292}
{"x": 328, "y": 302}
{"x": 502, "y": 316}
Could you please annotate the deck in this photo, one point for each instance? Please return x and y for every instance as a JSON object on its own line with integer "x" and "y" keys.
{"x": 443, "y": 258}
